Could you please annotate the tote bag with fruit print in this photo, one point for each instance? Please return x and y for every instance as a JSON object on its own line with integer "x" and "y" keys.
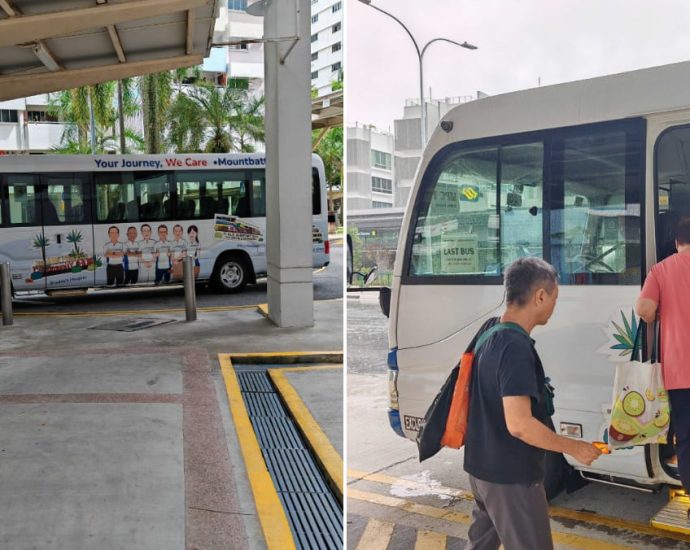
{"x": 640, "y": 413}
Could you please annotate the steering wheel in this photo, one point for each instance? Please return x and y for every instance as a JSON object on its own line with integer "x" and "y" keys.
{"x": 589, "y": 260}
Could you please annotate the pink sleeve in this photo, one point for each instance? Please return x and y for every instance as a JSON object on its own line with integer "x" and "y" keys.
{"x": 650, "y": 289}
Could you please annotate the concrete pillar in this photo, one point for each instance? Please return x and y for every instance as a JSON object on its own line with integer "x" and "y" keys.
{"x": 288, "y": 167}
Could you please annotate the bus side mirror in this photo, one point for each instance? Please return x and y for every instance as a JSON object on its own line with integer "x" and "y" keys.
{"x": 371, "y": 276}
{"x": 385, "y": 300}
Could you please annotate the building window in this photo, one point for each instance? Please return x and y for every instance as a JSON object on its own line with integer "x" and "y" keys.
{"x": 314, "y": 18}
{"x": 336, "y": 47}
{"x": 314, "y": 56}
{"x": 237, "y": 5}
{"x": 314, "y": 75}
{"x": 335, "y": 67}
{"x": 379, "y": 159}
{"x": 40, "y": 116}
{"x": 335, "y": 28}
{"x": 242, "y": 46}
{"x": 378, "y": 204}
{"x": 314, "y": 37}
{"x": 7, "y": 115}
{"x": 381, "y": 185}
{"x": 336, "y": 7}
{"x": 314, "y": 2}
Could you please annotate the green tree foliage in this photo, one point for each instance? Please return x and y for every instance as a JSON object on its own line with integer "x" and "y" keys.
{"x": 246, "y": 121}
{"x": 330, "y": 149}
{"x": 72, "y": 106}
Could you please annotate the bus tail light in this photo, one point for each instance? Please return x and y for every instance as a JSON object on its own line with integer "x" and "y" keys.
{"x": 327, "y": 247}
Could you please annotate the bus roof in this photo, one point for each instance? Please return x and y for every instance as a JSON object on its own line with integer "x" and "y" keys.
{"x": 612, "y": 97}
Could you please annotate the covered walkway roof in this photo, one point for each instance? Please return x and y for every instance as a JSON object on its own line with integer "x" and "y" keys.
{"x": 53, "y": 45}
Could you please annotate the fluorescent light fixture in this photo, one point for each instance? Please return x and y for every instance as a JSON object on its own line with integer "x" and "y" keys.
{"x": 45, "y": 57}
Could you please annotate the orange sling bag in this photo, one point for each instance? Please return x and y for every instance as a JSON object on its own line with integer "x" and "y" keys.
{"x": 456, "y": 423}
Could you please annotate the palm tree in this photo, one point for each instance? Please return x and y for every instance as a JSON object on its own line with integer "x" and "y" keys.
{"x": 211, "y": 107}
{"x": 74, "y": 107}
{"x": 156, "y": 93}
{"x": 246, "y": 121}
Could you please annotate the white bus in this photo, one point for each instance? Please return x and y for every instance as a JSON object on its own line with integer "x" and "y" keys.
{"x": 589, "y": 175}
{"x": 77, "y": 222}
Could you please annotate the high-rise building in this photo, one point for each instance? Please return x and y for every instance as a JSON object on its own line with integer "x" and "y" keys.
{"x": 369, "y": 180}
{"x": 326, "y": 43}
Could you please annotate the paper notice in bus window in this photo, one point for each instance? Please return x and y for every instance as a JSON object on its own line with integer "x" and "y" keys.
{"x": 459, "y": 254}
{"x": 445, "y": 199}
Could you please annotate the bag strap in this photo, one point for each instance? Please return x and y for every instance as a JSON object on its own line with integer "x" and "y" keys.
{"x": 498, "y": 326}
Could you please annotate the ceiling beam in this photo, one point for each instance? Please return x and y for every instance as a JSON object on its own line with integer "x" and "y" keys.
{"x": 7, "y": 8}
{"x": 191, "y": 21}
{"x": 29, "y": 28}
{"x": 24, "y": 85}
{"x": 115, "y": 39}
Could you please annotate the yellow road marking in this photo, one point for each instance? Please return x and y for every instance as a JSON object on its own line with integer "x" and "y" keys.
{"x": 272, "y": 516}
{"x": 554, "y": 511}
{"x": 115, "y": 313}
{"x": 429, "y": 540}
{"x": 337, "y": 355}
{"x": 263, "y": 309}
{"x": 376, "y": 536}
{"x": 318, "y": 367}
{"x": 328, "y": 457}
{"x": 575, "y": 541}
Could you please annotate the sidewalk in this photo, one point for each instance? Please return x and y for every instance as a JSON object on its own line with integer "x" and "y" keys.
{"x": 124, "y": 439}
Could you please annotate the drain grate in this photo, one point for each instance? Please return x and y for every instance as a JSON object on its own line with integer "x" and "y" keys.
{"x": 132, "y": 325}
{"x": 313, "y": 511}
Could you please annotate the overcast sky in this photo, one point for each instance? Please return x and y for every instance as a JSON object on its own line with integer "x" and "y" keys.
{"x": 519, "y": 42}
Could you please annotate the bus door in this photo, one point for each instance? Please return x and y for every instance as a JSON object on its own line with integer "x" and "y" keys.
{"x": 21, "y": 243}
{"x": 68, "y": 248}
{"x": 673, "y": 187}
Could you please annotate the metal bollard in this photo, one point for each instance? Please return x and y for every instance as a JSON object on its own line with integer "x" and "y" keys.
{"x": 189, "y": 289}
{"x": 6, "y": 294}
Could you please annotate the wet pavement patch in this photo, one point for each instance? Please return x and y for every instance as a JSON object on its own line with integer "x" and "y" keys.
{"x": 132, "y": 325}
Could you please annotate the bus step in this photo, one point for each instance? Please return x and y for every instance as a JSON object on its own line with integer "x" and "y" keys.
{"x": 674, "y": 516}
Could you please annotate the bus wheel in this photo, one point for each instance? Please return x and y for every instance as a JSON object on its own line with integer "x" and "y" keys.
{"x": 231, "y": 273}
{"x": 556, "y": 470}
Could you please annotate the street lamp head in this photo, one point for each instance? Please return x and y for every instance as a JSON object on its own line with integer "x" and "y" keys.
{"x": 365, "y": 1}
{"x": 468, "y": 46}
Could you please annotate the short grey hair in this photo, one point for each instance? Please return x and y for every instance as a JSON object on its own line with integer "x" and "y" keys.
{"x": 524, "y": 276}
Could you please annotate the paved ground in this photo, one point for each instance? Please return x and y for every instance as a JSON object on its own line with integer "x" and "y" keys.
{"x": 393, "y": 499}
{"x": 124, "y": 439}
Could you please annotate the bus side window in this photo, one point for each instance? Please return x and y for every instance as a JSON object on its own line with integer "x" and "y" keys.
{"x": 22, "y": 201}
{"x": 456, "y": 227}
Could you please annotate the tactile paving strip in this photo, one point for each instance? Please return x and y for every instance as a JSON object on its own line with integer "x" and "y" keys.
{"x": 313, "y": 511}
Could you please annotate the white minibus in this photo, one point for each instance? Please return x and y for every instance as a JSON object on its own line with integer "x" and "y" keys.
{"x": 591, "y": 176}
{"x": 78, "y": 222}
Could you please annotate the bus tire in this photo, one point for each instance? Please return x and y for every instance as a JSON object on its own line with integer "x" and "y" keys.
{"x": 555, "y": 473}
{"x": 231, "y": 273}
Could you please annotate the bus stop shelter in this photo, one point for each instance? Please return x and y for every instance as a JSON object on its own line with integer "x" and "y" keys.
{"x": 63, "y": 44}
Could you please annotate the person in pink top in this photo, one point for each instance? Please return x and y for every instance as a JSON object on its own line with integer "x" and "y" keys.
{"x": 666, "y": 292}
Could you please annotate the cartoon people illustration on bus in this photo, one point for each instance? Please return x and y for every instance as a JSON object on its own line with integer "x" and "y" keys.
{"x": 147, "y": 260}
{"x": 163, "y": 253}
{"x": 114, "y": 252}
{"x": 132, "y": 255}
{"x": 179, "y": 251}
{"x": 194, "y": 247}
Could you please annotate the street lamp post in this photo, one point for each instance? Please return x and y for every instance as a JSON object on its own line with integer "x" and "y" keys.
{"x": 420, "y": 57}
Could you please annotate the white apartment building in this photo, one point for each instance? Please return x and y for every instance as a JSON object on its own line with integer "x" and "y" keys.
{"x": 369, "y": 177}
{"x": 26, "y": 125}
{"x": 326, "y": 43}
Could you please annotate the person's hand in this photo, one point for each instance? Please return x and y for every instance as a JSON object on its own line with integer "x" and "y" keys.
{"x": 584, "y": 452}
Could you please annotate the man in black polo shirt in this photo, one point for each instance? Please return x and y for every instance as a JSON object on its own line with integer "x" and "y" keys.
{"x": 507, "y": 433}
